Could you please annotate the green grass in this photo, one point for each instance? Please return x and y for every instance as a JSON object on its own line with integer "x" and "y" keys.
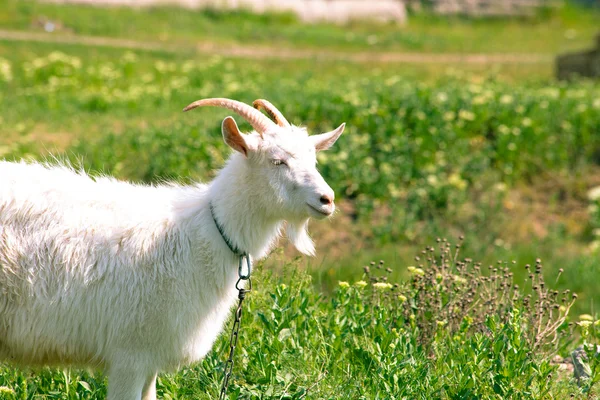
{"x": 364, "y": 341}
{"x": 567, "y": 28}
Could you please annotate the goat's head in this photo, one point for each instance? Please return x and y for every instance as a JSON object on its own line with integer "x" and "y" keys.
{"x": 282, "y": 161}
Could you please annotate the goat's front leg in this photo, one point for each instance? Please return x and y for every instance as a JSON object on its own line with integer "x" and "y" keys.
{"x": 149, "y": 391}
{"x": 126, "y": 383}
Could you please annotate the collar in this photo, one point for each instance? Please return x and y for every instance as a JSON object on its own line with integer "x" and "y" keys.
{"x": 234, "y": 249}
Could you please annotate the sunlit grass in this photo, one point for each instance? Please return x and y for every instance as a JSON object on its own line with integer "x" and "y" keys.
{"x": 453, "y": 329}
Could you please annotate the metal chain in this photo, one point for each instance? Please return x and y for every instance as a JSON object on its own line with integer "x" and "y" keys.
{"x": 233, "y": 338}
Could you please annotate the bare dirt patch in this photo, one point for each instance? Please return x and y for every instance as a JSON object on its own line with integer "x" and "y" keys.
{"x": 55, "y": 140}
{"x": 551, "y": 201}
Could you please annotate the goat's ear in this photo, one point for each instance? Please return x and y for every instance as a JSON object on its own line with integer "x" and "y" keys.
{"x": 233, "y": 137}
{"x": 326, "y": 140}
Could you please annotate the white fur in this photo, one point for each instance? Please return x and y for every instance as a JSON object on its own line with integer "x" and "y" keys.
{"x": 137, "y": 279}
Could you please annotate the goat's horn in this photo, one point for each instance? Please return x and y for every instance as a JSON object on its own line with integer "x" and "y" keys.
{"x": 258, "y": 120}
{"x": 272, "y": 111}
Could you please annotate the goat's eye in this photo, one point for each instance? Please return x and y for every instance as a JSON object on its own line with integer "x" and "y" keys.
{"x": 278, "y": 162}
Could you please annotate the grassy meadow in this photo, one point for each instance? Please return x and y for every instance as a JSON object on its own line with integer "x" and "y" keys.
{"x": 473, "y": 184}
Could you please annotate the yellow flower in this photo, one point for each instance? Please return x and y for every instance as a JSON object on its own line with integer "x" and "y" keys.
{"x": 500, "y": 187}
{"x": 386, "y": 169}
{"x": 402, "y": 298}
{"x": 416, "y": 271}
{"x": 584, "y": 324}
{"x": 5, "y": 70}
{"x": 466, "y": 115}
{"x": 456, "y": 181}
{"x": 6, "y": 390}
{"x": 360, "y": 284}
{"x": 382, "y": 285}
{"x": 432, "y": 180}
{"x": 506, "y": 99}
{"x": 586, "y": 317}
{"x": 479, "y": 100}
{"x": 503, "y": 129}
{"x": 442, "y": 97}
{"x": 448, "y": 116}
{"x": 343, "y": 285}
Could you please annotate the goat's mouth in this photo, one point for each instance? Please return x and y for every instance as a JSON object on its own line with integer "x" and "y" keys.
{"x": 320, "y": 213}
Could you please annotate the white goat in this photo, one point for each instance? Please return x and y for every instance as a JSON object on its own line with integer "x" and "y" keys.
{"x": 138, "y": 279}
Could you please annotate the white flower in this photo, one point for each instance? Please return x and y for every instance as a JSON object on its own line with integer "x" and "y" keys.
{"x": 594, "y": 193}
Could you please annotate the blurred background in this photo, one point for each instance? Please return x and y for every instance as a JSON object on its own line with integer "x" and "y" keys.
{"x": 464, "y": 117}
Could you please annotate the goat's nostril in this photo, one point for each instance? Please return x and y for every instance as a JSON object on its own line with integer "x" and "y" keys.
{"x": 326, "y": 199}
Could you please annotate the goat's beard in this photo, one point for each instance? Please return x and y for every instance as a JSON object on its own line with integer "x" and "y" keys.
{"x": 297, "y": 233}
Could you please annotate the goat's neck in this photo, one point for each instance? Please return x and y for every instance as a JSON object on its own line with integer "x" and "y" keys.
{"x": 240, "y": 210}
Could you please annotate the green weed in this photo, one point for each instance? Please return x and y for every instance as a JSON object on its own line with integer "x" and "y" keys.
{"x": 454, "y": 330}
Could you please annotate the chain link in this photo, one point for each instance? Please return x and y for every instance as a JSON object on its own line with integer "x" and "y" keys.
{"x": 233, "y": 338}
